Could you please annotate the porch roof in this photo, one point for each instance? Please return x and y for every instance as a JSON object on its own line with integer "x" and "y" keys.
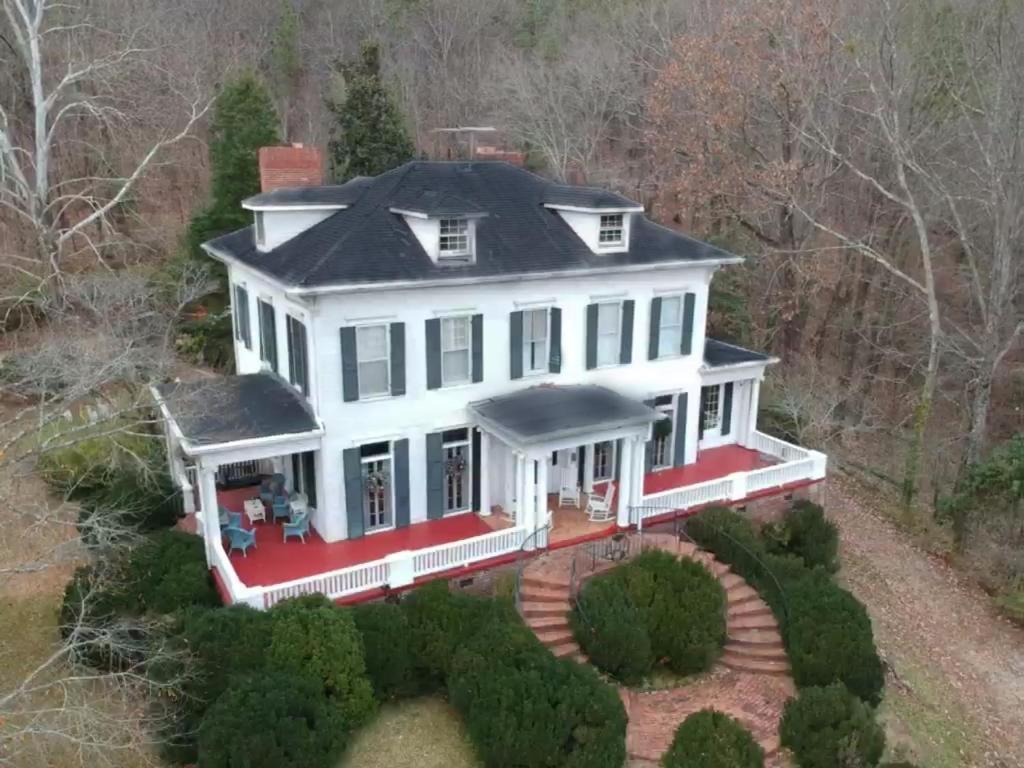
{"x": 547, "y": 412}
{"x": 229, "y": 409}
{"x": 718, "y": 354}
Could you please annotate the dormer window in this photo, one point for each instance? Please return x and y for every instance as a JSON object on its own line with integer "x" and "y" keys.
{"x": 611, "y": 230}
{"x": 261, "y": 230}
{"x": 454, "y": 240}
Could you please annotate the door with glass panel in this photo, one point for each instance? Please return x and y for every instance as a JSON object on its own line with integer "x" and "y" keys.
{"x": 377, "y": 497}
{"x": 661, "y": 445}
{"x": 711, "y": 412}
{"x": 458, "y": 470}
{"x": 604, "y": 461}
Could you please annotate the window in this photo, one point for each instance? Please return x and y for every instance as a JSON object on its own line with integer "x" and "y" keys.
{"x": 375, "y": 459}
{"x": 298, "y": 373}
{"x": 454, "y": 240}
{"x": 670, "y": 326}
{"x": 710, "y": 408}
{"x": 261, "y": 229}
{"x": 458, "y": 470}
{"x": 604, "y": 460}
{"x": 609, "y": 330}
{"x": 268, "y": 334}
{"x": 611, "y": 229}
{"x": 535, "y": 341}
{"x": 374, "y": 358}
{"x": 242, "y": 330}
{"x": 455, "y": 350}
{"x": 661, "y": 446}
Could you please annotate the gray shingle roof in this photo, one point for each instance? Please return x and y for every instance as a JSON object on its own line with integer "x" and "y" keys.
{"x": 548, "y": 412}
{"x": 367, "y": 243}
{"x": 230, "y": 408}
{"x": 719, "y": 353}
{"x": 343, "y": 194}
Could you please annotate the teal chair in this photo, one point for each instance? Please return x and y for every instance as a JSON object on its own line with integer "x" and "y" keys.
{"x": 240, "y": 538}
{"x": 229, "y": 518}
{"x": 299, "y": 526}
{"x": 282, "y": 508}
{"x": 266, "y": 492}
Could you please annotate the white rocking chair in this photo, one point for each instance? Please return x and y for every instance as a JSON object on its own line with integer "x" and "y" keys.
{"x": 599, "y": 509}
{"x": 568, "y": 490}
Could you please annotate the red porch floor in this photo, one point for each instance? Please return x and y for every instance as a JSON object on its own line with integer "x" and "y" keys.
{"x": 274, "y": 561}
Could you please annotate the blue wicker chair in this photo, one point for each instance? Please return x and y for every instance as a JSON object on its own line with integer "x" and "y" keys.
{"x": 229, "y": 518}
{"x": 282, "y": 508}
{"x": 266, "y": 491}
{"x": 240, "y": 538}
{"x": 299, "y": 526}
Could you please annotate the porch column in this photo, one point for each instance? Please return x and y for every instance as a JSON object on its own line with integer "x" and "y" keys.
{"x": 208, "y": 503}
{"x": 524, "y": 493}
{"x": 588, "y": 469}
{"x": 638, "y": 472}
{"x": 625, "y": 489}
{"x": 541, "y": 516}
{"x": 485, "y": 473}
{"x": 755, "y": 395}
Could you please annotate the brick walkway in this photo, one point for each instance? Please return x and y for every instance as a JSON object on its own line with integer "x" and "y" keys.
{"x": 751, "y": 682}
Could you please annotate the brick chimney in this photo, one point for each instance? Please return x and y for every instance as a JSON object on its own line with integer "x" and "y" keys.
{"x": 291, "y": 166}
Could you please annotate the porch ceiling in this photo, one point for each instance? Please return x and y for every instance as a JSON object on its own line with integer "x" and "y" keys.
{"x": 229, "y": 409}
{"x": 547, "y": 413}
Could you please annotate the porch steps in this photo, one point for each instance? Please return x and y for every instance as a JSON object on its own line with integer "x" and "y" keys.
{"x": 767, "y": 652}
{"x": 750, "y": 608}
{"x": 741, "y": 593}
{"x": 555, "y": 638}
{"x": 755, "y": 637}
{"x": 729, "y": 580}
{"x": 540, "y": 623}
{"x": 545, "y": 594}
{"x": 545, "y": 582}
{"x": 529, "y": 608}
{"x": 752, "y": 664}
{"x": 752, "y": 622}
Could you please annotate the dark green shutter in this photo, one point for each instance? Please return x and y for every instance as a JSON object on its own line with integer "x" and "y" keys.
{"x": 655, "y": 329}
{"x": 700, "y": 415}
{"x": 268, "y": 335}
{"x": 476, "y": 469}
{"x": 555, "y": 345}
{"x": 591, "y": 336}
{"x": 515, "y": 345}
{"x": 401, "y": 458}
{"x": 686, "y": 344}
{"x": 349, "y": 365}
{"x": 626, "y": 341}
{"x": 618, "y": 459}
{"x": 478, "y": 347}
{"x": 433, "y": 329}
{"x": 353, "y": 471}
{"x": 679, "y": 437}
{"x": 727, "y": 409}
{"x": 397, "y": 359}
{"x": 309, "y": 477}
{"x": 435, "y": 476}
{"x": 649, "y": 445}
{"x": 581, "y": 457}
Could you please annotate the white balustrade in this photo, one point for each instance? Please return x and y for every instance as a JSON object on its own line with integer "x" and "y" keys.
{"x": 772, "y": 446}
{"x": 780, "y": 474}
{"x": 459, "y": 553}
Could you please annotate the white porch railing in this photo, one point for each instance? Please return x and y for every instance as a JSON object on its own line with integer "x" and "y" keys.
{"x": 796, "y": 464}
{"x": 398, "y": 569}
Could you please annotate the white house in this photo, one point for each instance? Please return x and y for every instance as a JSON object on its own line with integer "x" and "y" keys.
{"x": 426, "y": 355}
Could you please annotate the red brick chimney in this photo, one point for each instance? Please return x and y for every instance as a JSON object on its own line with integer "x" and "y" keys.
{"x": 292, "y": 166}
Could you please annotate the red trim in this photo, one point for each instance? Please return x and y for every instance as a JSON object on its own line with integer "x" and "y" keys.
{"x": 777, "y": 491}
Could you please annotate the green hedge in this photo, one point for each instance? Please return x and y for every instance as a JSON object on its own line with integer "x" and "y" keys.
{"x": 524, "y": 708}
{"x": 827, "y": 631}
{"x": 709, "y": 739}
{"x": 168, "y": 572}
{"x": 805, "y": 532}
{"x": 654, "y": 608}
{"x": 311, "y": 637}
{"x": 390, "y": 663}
{"x": 828, "y": 727}
{"x": 272, "y": 720}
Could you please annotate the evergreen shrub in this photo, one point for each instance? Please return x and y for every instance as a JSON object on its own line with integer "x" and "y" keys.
{"x": 829, "y": 727}
{"x": 709, "y": 739}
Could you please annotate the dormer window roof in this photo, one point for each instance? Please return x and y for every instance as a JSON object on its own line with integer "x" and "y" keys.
{"x": 588, "y": 199}
{"x": 429, "y": 204}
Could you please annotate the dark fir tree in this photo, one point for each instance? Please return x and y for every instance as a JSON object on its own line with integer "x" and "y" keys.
{"x": 243, "y": 121}
{"x": 369, "y": 136}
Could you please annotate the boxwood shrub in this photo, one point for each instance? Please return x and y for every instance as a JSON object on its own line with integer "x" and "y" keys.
{"x": 654, "y": 608}
{"x": 311, "y": 637}
{"x": 804, "y": 531}
{"x": 827, "y": 727}
{"x": 167, "y": 572}
{"x": 524, "y": 708}
{"x": 387, "y": 648}
{"x": 709, "y": 739}
{"x": 272, "y": 720}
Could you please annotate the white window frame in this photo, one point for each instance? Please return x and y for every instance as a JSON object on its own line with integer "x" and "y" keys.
{"x": 618, "y": 334}
{"x": 269, "y": 301}
{"x": 468, "y": 320}
{"x": 467, "y": 445}
{"x": 670, "y": 328}
{"x": 718, "y": 391}
{"x": 611, "y": 230}
{"x": 390, "y": 458}
{"x": 260, "y": 229}
{"x": 461, "y": 235}
{"x": 669, "y": 441}
{"x": 529, "y": 340}
{"x": 238, "y": 314}
{"x": 611, "y": 461}
{"x": 386, "y": 360}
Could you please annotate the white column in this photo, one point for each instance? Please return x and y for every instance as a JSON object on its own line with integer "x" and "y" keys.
{"x": 485, "y": 473}
{"x": 511, "y": 478}
{"x": 524, "y": 493}
{"x": 588, "y": 469}
{"x": 638, "y": 473}
{"x": 625, "y": 489}
{"x": 208, "y": 503}
{"x": 541, "y": 516}
{"x": 755, "y": 395}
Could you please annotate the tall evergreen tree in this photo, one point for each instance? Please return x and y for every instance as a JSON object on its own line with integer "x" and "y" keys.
{"x": 243, "y": 121}
{"x": 369, "y": 136}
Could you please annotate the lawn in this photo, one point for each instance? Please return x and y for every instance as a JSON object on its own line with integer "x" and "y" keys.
{"x": 419, "y": 733}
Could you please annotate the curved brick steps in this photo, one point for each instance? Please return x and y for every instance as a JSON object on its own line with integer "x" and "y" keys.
{"x": 751, "y": 682}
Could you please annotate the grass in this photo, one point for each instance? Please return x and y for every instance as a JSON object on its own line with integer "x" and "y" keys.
{"x": 419, "y": 733}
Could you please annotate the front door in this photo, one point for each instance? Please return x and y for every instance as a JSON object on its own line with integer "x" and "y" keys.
{"x": 377, "y": 512}
{"x": 563, "y": 469}
{"x": 711, "y": 414}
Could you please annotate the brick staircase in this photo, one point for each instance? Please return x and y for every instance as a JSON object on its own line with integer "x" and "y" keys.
{"x": 753, "y": 651}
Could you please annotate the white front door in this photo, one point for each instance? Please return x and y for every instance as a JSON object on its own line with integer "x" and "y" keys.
{"x": 563, "y": 469}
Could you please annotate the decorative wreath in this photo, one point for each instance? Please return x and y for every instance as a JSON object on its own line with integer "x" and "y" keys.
{"x": 663, "y": 428}
{"x": 376, "y": 481}
{"x": 455, "y": 466}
